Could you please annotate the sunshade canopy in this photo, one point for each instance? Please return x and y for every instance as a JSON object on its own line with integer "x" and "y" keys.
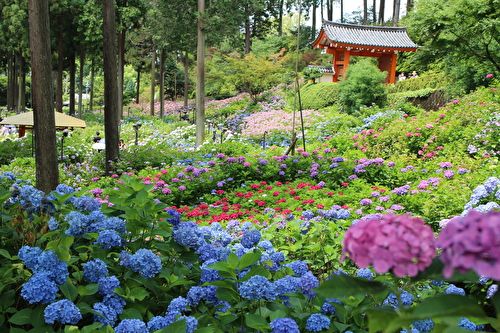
{"x": 26, "y": 119}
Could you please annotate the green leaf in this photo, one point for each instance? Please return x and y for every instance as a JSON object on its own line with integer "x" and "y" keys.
{"x": 21, "y": 317}
{"x": 138, "y": 293}
{"x": 227, "y": 294}
{"x": 177, "y": 327}
{"x": 256, "y": 322}
{"x": 447, "y": 306}
{"x": 5, "y": 254}
{"x": 205, "y": 330}
{"x": 87, "y": 290}
{"x": 71, "y": 329}
{"x": 379, "y": 319}
{"x": 256, "y": 270}
{"x": 342, "y": 286}
{"x": 69, "y": 290}
{"x": 249, "y": 259}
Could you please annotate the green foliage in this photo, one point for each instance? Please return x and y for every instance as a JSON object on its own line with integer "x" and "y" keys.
{"x": 363, "y": 86}
{"x": 319, "y": 95}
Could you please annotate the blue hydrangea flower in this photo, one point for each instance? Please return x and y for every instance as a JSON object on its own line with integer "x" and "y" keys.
{"x": 492, "y": 290}
{"x": 467, "y": 324}
{"x": 109, "y": 239}
{"x": 188, "y": 234}
{"x": 107, "y": 285}
{"x": 317, "y": 323}
{"x": 298, "y": 267}
{"x": 266, "y": 246}
{"x": 364, "y": 273}
{"x": 284, "y": 325}
{"x": 105, "y": 314}
{"x": 307, "y": 283}
{"x": 393, "y": 301}
{"x": 86, "y": 203}
{"x": 287, "y": 285}
{"x": 191, "y": 323}
{"x": 210, "y": 252}
{"x": 115, "y": 302}
{"x": 53, "y": 225}
{"x": 178, "y": 304}
{"x": 40, "y": 288}
{"x": 257, "y": 288}
{"x": 158, "y": 323}
{"x": 175, "y": 217}
{"x": 131, "y": 326}
{"x": 78, "y": 224}
{"x": 64, "y": 189}
{"x": 424, "y": 325}
{"x": 109, "y": 223}
{"x": 454, "y": 290}
{"x": 29, "y": 256}
{"x": 49, "y": 263}
{"x": 208, "y": 274}
{"x": 63, "y": 312}
{"x": 94, "y": 270}
{"x": 195, "y": 295}
{"x": 328, "y": 308}
{"x": 239, "y": 250}
{"x": 144, "y": 262}
{"x": 250, "y": 238}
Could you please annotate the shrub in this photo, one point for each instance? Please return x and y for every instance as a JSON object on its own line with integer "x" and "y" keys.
{"x": 364, "y": 85}
{"x": 319, "y": 95}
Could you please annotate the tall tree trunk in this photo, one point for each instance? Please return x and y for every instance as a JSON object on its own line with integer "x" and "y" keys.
{"x": 138, "y": 85}
{"x": 322, "y": 11}
{"x": 342, "y": 11}
{"x": 162, "y": 82}
{"x": 121, "y": 69}
{"x": 153, "y": 79}
{"x": 200, "y": 82}
{"x": 92, "y": 79}
{"x": 47, "y": 173}
{"x": 395, "y": 12}
{"x": 60, "y": 68}
{"x": 314, "y": 8}
{"x": 381, "y": 12}
{"x": 21, "y": 90}
{"x": 280, "y": 18}
{"x": 409, "y": 6}
{"x": 10, "y": 83}
{"x": 248, "y": 35}
{"x": 186, "y": 79}
{"x": 111, "y": 115}
{"x": 365, "y": 12}
{"x": 80, "y": 83}
{"x": 16, "y": 81}
{"x": 72, "y": 79}
{"x": 374, "y": 10}
{"x": 329, "y": 10}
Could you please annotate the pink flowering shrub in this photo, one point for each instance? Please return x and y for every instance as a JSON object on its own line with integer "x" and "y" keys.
{"x": 472, "y": 242}
{"x": 276, "y": 120}
{"x": 402, "y": 244}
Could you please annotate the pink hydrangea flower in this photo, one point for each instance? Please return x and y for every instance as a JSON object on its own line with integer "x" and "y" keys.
{"x": 489, "y": 76}
{"x": 472, "y": 242}
{"x": 402, "y": 244}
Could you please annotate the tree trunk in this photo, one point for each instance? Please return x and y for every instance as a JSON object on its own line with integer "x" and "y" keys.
{"x": 60, "y": 69}
{"x": 395, "y": 13}
{"x": 10, "y": 83}
{"x": 72, "y": 79}
{"x": 162, "y": 82}
{"x": 186, "y": 79}
{"x": 365, "y": 12}
{"x": 342, "y": 11}
{"x": 329, "y": 10}
{"x": 121, "y": 70}
{"x": 200, "y": 82}
{"x": 280, "y": 18}
{"x": 80, "y": 84}
{"x": 111, "y": 115}
{"x": 374, "y": 10}
{"x": 47, "y": 173}
{"x": 381, "y": 12}
{"x": 322, "y": 9}
{"x": 314, "y": 8}
{"x": 15, "y": 81}
{"x": 138, "y": 85}
{"x": 248, "y": 35}
{"x": 409, "y": 6}
{"x": 153, "y": 79}
{"x": 92, "y": 79}
{"x": 21, "y": 89}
